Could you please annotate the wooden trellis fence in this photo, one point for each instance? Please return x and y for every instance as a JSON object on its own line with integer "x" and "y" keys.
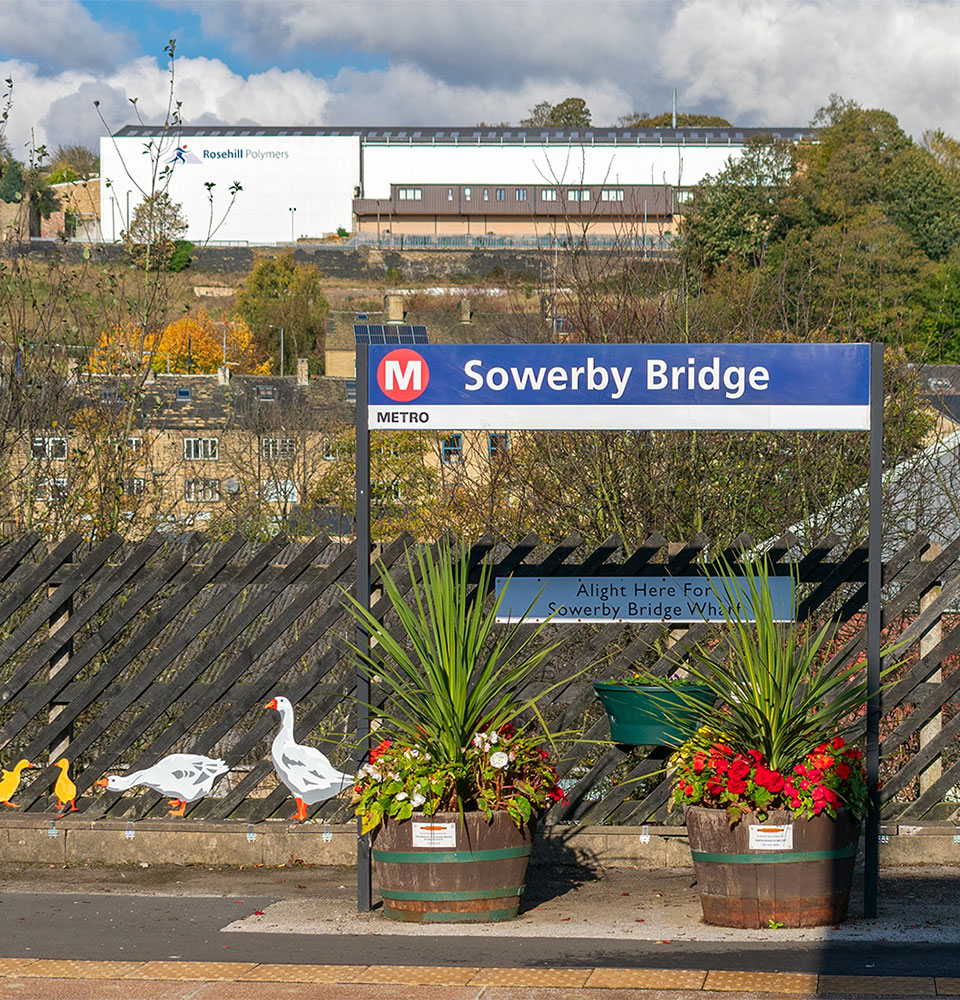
{"x": 117, "y": 653}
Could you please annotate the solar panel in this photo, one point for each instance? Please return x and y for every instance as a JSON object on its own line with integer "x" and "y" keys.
{"x": 392, "y": 333}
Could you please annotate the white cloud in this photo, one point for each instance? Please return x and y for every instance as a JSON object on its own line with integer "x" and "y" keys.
{"x": 60, "y": 34}
{"x": 775, "y": 62}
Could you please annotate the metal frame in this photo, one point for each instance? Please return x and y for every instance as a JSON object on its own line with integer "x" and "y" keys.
{"x": 874, "y": 619}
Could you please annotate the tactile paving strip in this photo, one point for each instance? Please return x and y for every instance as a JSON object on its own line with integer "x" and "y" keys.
{"x": 207, "y": 971}
{"x": 52, "y": 968}
{"x": 268, "y": 973}
{"x": 897, "y": 986}
{"x": 646, "y": 979}
{"x": 761, "y": 982}
{"x": 15, "y": 966}
{"x": 530, "y": 977}
{"x": 415, "y": 975}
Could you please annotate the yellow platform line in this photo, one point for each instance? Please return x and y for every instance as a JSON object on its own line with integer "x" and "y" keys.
{"x": 712, "y": 981}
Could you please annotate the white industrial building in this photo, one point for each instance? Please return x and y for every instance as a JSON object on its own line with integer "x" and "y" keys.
{"x": 306, "y": 183}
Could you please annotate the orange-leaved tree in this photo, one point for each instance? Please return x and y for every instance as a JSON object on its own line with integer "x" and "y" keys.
{"x": 200, "y": 343}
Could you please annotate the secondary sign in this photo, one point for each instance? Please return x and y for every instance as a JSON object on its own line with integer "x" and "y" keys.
{"x": 620, "y": 386}
{"x": 579, "y": 599}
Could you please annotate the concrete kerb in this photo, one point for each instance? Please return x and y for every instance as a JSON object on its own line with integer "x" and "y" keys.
{"x": 42, "y": 838}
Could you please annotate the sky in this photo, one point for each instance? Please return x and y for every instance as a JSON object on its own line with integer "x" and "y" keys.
{"x": 460, "y": 62}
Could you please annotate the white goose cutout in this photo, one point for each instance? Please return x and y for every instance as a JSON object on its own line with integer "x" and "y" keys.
{"x": 310, "y": 777}
{"x": 181, "y": 777}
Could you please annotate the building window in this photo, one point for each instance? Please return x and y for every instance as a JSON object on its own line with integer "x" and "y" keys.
{"x": 578, "y": 194}
{"x": 133, "y": 487}
{"x": 49, "y": 447}
{"x": 184, "y": 395}
{"x": 265, "y": 392}
{"x": 279, "y": 491}
{"x": 411, "y": 194}
{"x": 449, "y": 194}
{"x": 201, "y": 449}
{"x": 451, "y": 449}
{"x": 135, "y": 445}
{"x": 466, "y": 194}
{"x": 611, "y": 194}
{"x": 391, "y": 492}
{"x": 521, "y": 194}
{"x": 548, "y": 194}
{"x": 501, "y": 194}
{"x": 52, "y": 488}
{"x": 333, "y": 450}
{"x": 278, "y": 449}
{"x": 486, "y": 194}
{"x": 498, "y": 444}
{"x": 108, "y": 396}
{"x": 201, "y": 490}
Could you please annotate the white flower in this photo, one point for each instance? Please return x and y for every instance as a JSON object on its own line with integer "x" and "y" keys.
{"x": 494, "y": 738}
{"x": 499, "y": 760}
{"x": 486, "y": 748}
{"x": 369, "y": 771}
{"x": 400, "y": 796}
{"x": 478, "y": 739}
{"x": 417, "y": 800}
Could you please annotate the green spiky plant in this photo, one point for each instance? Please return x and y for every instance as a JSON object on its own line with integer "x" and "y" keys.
{"x": 455, "y": 705}
{"x": 779, "y": 691}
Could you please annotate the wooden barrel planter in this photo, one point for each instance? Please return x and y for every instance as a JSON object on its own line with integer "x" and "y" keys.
{"x": 800, "y": 877}
{"x": 476, "y": 873}
{"x": 651, "y": 715}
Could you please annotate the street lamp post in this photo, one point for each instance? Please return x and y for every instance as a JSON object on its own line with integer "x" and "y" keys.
{"x": 292, "y": 217}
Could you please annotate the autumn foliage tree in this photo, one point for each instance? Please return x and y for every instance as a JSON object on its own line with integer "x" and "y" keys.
{"x": 199, "y": 344}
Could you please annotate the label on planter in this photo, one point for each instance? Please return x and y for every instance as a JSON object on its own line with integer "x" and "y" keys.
{"x": 434, "y": 834}
{"x": 771, "y": 838}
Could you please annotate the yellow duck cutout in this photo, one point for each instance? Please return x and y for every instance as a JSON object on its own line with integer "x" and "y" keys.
{"x": 65, "y": 790}
{"x": 10, "y": 781}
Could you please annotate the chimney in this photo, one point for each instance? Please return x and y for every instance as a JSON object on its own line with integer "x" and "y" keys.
{"x": 303, "y": 371}
{"x": 393, "y": 306}
{"x": 223, "y": 375}
{"x": 465, "y": 314}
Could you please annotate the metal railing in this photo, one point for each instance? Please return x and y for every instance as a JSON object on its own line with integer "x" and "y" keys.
{"x": 410, "y": 241}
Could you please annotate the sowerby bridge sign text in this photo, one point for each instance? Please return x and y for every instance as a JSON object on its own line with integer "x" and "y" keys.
{"x": 621, "y": 386}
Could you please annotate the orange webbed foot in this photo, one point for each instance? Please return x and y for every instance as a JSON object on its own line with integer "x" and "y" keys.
{"x": 179, "y": 811}
{"x": 11, "y": 805}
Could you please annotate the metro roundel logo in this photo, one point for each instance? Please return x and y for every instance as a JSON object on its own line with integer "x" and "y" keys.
{"x": 403, "y": 375}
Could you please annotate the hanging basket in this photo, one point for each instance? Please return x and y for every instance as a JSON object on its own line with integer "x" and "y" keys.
{"x": 649, "y": 715}
{"x": 787, "y": 871}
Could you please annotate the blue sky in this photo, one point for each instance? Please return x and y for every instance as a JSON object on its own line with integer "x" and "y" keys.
{"x": 444, "y": 62}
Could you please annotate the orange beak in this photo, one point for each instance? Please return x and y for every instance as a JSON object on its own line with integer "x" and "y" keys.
{"x": 31, "y": 765}
{"x": 102, "y": 782}
{"x": 271, "y": 704}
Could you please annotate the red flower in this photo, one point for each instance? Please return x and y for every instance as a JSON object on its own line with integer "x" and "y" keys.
{"x": 699, "y": 762}
{"x": 839, "y": 743}
{"x": 714, "y": 786}
{"x": 507, "y": 731}
{"x": 739, "y": 769}
{"x": 379, "y": 750}
{"x": 756, "y": 755}
{"x": 736, "y": 786}
{"x": 557, "y": 794}
{"x": 843, "y": 771}
{"x": 771, "y": 780}
{"x": 543, "y": 753}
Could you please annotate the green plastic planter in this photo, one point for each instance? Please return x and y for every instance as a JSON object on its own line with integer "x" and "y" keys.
{"x": 650, "y": 715}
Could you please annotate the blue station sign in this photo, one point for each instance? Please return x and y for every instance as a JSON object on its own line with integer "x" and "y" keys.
{"x": 620, "y": 386}
{"x": 582, "y": 599}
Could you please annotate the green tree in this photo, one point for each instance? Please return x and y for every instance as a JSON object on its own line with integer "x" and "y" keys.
{"x": 570, "y": 113}
{"x": 155, "y": 227}
{"x": 736, "y": 213}
{"x": 665, "y": 120}
{"x": 77, "y": 160}
{"x": 924, "y": 200}
{"x": 282, "y": 295}
{"x": 11, "y": 182}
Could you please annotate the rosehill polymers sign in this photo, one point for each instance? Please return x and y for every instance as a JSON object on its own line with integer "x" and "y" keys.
{"x": 620, "y": 386}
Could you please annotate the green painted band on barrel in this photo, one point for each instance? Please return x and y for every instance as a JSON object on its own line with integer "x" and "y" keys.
{"x": 444, "y": 917}
{"x": 777, "y": 858}
{"x": 451, "y": 857}
{"x": 510, "y": 891}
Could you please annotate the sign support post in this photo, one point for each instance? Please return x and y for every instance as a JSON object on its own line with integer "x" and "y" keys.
{"x": 364, "y": 880}
{"x": 871, "y": 850}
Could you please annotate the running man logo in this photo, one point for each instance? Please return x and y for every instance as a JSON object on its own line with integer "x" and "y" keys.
{"x": 403, "y": 375}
